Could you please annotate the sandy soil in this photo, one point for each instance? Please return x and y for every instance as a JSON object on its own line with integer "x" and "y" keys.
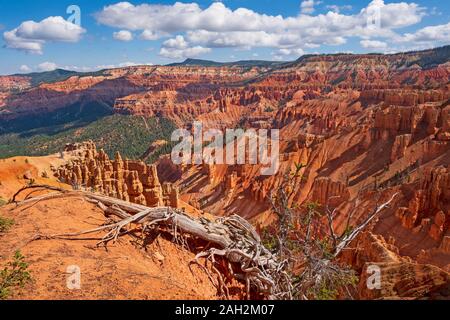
{"x": 122, "y": 271}
{"x": 14, "y": 170}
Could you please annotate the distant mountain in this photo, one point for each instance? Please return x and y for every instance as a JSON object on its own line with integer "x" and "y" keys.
{"x": 48, "y": 76}
{"x": 196, "y": 62}
{"x": 434, "y": 57}
{"x": 426, "y": 59}
{"x": 241, "y": 63}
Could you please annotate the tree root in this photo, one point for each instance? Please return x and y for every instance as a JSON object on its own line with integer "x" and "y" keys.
{"x": 232, "y": 239}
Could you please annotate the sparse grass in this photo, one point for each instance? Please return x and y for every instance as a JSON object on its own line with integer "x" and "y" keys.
{"x": 5, "y": 224}
{"x": 14, "y": 275}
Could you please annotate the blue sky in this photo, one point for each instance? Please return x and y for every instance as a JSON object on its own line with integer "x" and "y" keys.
{"x": 36, "y": 36}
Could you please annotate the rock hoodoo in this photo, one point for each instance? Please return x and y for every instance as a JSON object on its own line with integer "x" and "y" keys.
{"x": 128, "y": 180}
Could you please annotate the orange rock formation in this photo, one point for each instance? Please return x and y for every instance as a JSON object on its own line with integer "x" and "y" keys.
{"x": 127, "y": 180}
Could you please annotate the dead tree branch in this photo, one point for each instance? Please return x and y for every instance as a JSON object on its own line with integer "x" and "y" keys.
{"x": 231, "y": 238}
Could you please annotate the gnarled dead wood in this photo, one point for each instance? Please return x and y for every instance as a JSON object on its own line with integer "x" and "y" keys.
{"x": 231, "y": 238}
{"x": 35, "y": 186}
{"x": 350, "y": 237}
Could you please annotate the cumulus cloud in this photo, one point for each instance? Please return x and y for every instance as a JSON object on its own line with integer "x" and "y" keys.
{"x": 47, "y": 66}
{"x": 150, "y": 35}
{"x": 373, "y": 44}
{"x": 307, "y": 6}
{"x": 179, "y": 48}
{"x": 438, "y": 33}
{"x": 25, "y": 68}
{"x": 190, "y": 52}
{"x": 31, "y": 36}
{"x": 14, "y": 42}
{"x": 242, "y": 39}
{"x": 394, "y": 15}
{"x": 291, "y": 52}
{"x": 218, "y": 26}
{"x": 123, "y": 35}
{"x": 184, "y": 16}
{"x": 337, "y": 9}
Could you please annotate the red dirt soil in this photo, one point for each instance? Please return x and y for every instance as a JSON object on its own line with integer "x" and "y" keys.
{"x": 122, "y": 271}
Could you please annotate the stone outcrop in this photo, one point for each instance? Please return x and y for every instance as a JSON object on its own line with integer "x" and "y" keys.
{"x": 405, "y": 280}
{"x": 128, "y": 180}
{"x": 400, "y": 144}
{"x": 384, "y": 274}
{"x": 14, "y": 83}
{"x": 397, "y": 97}
{"x": 393, "y": 121}
{"x": 328, "y": 192}
{"x": 429, "y": 206}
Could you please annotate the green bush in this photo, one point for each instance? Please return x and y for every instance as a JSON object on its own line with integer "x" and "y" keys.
{"x": 269, "y": 240}
{"x": 14, "y": 275}
{"x": 326, "y": 294}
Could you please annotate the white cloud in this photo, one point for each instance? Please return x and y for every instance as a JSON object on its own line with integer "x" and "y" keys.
{"x": 307, "y": 6}
{"x": 439, "y": 33}
{"x": 47, "y": 66}
{"x": 184, "y": 16}
{"x": 31, "y": 36}
{"x": 373, "y": 44}
{"x": 183, "y": 53}
{"x": 133, "y": 64}
{"x": 394, "y": 15}
{"x": 14, "y": 42}
{"x": 176, "y": 43}
{"x": 179, "y": 48}
{"x": 241, "y": 39}
{"x": 277, "y": 58}
{"x": 79, "y": 68}
{"x": 217, "y": 26}
{"x": 25, "y": 68}
{"x": 337, "y": 9}
{"x": 150, "y": 35}
{"x": 291, "y": 52}
{"x": 105, "y": 66}
{"x": 123, "y": 35}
